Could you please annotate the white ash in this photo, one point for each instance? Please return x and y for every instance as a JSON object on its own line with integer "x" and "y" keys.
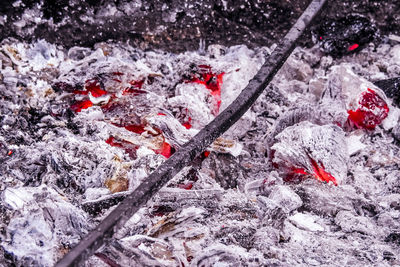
{"x": 239, "y": 211}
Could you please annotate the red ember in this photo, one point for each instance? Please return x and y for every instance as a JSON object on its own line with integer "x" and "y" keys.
{"x": 297, "y": 174}
{"x": 321, "y": 174}
{"x": 166, "y": 150}
{"x": 84, "y": 104}
{"x": 186, "y": 186}
{"x": 139, "y": 129}
{"x": 137, "y": 84}
{"x": 133, "y": 91}
{"x": 212, "y": 82}
{"x": 353, "y": 47}
{"x": 129, "y": 147}
{"x": 94, "y": 87}
{"x": 80, "y": 92}
{"x": 371, "y": 112}
{"x": 188, "y": 124}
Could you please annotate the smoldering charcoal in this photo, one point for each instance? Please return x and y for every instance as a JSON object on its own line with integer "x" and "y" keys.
{"x": 309, "y": 176}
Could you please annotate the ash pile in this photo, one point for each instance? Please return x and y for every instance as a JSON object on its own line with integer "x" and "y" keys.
{"x": 309, "y": 176}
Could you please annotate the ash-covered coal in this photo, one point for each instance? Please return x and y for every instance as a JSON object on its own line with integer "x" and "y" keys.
{"x": 81, "y": 128}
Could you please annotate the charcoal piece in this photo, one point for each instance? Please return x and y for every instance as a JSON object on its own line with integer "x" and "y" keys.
{"x": 242, "y": 236}
{"x": 65, "y": 87}
{"x": 344, "y": 35}
{"x": 393, "y": 238}
{"x": 293, "y": 117}
{"x": 96, "y": 207}
{"x": 176, "y": 198}
{"x": 391, "y": 87}
{"x": 44, "y": 220}
{"x": 389, "y": 256}
{"x": 78, "y": 53}
{"x": 262, "y": 243}
{"x": 227, "y": 169}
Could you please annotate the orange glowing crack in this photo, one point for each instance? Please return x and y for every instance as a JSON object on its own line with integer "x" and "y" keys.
{"x": 321, "y": 174}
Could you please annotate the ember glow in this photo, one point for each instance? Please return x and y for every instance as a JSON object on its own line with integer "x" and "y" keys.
{"x": 353, "y": 47}
{"x": 371, "y": 112}
{"x": 80, "y": 105}
{"x": 309, "y": 173}
{"x": 93, "y": 86}
{"x": 128, "y": 147}
{"x": 212, "y": 82}
{"x": 320, "y": 173}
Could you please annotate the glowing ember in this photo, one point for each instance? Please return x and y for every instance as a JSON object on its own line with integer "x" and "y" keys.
{"x": 94, "y": 87}
{"x": 299, "y": 171}
{"x": 321, "y": 174}
{"x": 137, "y": 84}
{"x": 353, "y": 47}
{"x": 129, "y": 147}
{"x": 139, "y": 129}
{"x": 166, "y": 150}
{"x": 295, "y": 175}
{"x": 188, "y": 124}
{"x": 298, "y": 174}
{"x": 186, "y": 186}
{"x": 212, "y": 82}
{"x": 9, "y": 152}
{"x": 84, "y": 104}
{"x": 371, "y": 112}
{"x": 80, "y": 92}
{"x": 133, "y": 91}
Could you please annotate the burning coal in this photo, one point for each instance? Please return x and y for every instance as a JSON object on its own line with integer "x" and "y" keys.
{"x": 309, "y": 176}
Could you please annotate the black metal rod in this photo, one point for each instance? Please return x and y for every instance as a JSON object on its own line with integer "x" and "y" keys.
{"x": 152, "y": 184}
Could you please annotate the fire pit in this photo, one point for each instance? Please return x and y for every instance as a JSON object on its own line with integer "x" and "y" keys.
{"x": 308, "y": 176}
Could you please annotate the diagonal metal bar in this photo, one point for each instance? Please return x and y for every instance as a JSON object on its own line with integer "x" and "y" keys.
{"x": 117, "y": 218}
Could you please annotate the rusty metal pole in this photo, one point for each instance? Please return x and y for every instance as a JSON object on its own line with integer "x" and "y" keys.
{"x": 183, "y": 157}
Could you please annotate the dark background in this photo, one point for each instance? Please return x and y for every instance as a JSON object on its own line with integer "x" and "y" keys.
{"x": 252, "y": 22}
